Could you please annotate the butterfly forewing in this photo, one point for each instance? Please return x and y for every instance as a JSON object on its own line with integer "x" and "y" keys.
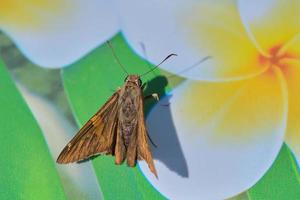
{"x": 143, "y": 148}
{"x": 96, "y": 136}
{"x": 120, "y": 149}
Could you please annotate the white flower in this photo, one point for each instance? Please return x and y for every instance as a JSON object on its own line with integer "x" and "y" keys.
{"x": 55, "y": 33}
{"x": 222, "y": 131}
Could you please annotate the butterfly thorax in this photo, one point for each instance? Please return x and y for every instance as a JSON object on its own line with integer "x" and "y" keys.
{"x": 129, "y": 106}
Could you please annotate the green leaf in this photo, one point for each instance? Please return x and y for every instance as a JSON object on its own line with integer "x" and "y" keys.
{"x": 88, "y": 84}
{"x": 282, "y": 181}
{"x": 27, "y": 169}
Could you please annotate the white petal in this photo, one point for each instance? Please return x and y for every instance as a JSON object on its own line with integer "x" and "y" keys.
{"x": 292, "y": 74}
{"x": 194, "y": 30}
{"x": 210, "y": 154}
{"x": 62, "y": 37}
{"x": 271, "y": 23}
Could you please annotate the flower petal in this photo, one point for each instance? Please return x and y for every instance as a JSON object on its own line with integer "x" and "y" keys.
{"x": 57, "y": 33}
{"x": 229, "y": 135}
{"x": 213, "y": 30}
{"x": 292, "y": 74}
{"x": 272, "y": 22}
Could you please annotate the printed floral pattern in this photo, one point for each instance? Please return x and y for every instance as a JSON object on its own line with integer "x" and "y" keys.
{"x": 235, "y": 109}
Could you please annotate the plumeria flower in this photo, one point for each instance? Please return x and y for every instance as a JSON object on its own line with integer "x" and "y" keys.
{"x": 55, "y": 33}
{"x": 226, "y": 123}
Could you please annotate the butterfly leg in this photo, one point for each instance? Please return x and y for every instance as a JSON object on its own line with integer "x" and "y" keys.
{"x": 144, "y": 85}
{"x": 154, "y": 95}
{"x": 155, "y": 145}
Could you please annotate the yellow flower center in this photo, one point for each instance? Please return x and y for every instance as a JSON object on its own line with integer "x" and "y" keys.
{"x": 275, "y": 57}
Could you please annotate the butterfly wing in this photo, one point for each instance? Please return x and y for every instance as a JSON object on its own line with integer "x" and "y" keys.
{"x": 143, "y": 148}
{"x": 96, "y": 136}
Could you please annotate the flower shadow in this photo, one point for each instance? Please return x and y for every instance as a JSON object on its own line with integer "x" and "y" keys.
{"x": 162, "y": 130}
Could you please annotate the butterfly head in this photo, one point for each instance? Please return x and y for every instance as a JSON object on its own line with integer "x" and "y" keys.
{"x": 135, "y": 79}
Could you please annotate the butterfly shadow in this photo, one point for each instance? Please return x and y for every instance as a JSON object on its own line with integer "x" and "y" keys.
{"x": 162, "y": 130}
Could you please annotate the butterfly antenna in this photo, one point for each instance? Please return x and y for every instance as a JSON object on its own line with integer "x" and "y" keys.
{"x": 172, "y": 54}
{"x": 115, "y": 56}
{"x": 189, "y": 68}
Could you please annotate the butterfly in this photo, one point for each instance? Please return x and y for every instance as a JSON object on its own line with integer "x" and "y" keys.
{"x": 117, "y": 129}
